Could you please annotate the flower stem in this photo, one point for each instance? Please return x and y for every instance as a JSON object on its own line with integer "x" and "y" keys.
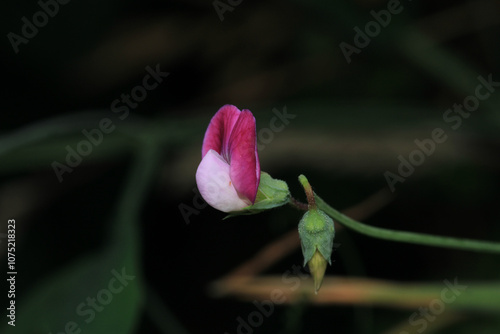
{"x": 308, "y": 190}
{"x": 409, "y": 237}
{"x": 298, "y": 204}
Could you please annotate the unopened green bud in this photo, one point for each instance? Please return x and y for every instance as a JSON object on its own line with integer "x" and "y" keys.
{"x": 316, "y": 231}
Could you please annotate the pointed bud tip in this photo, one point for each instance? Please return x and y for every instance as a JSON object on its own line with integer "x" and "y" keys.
{"x": 317, "y": 266}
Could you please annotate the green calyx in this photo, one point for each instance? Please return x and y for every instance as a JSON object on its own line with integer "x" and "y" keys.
{"x": 272, "y": 193}
{"x": 316, "y": 231}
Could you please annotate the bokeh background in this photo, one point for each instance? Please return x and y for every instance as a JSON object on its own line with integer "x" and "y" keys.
{"x": 131, "y": 203}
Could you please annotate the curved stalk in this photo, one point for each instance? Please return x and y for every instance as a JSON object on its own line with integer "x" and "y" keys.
{"x": 409, "y": 237}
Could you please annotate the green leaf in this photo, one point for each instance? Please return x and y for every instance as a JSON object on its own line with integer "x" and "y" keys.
{"x": 65, "y": 300}
{"x": 103, "y": 292}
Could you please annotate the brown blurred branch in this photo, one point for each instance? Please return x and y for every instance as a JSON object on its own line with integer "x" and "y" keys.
{"x": 338, "y": 290}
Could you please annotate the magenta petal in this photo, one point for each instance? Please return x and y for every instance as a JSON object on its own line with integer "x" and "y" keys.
{"x": 219, "y": 131}
{"x": 244, "y": 163}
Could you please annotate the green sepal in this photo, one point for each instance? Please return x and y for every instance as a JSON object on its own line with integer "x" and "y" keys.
{"x": 316, "y": 231}
{"x": 271, "y": 193}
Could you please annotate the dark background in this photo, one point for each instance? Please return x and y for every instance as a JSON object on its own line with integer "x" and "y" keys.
{"x": 352, "y": 121}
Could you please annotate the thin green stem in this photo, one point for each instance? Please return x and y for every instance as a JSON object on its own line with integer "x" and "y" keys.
{"x": 308, "y": 190}
{"x": 409, "y": 237}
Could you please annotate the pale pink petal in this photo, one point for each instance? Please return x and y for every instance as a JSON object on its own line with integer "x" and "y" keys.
{"x": 219, "y": 131}
{"x": 215, "y": 186}
{"x": 244, "y": 160}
